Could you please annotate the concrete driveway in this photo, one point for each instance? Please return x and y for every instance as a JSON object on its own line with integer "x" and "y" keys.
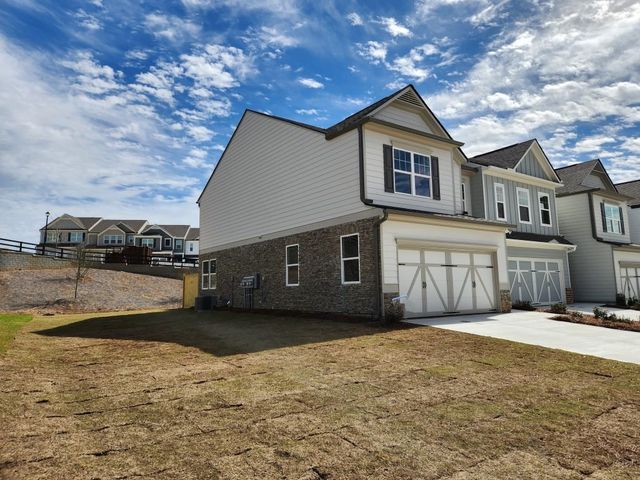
{"x": 536, "y": 328}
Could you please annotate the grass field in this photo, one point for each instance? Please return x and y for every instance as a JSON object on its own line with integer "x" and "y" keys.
{"x": 177, "y": 394}
{"x": 9, "y": 326}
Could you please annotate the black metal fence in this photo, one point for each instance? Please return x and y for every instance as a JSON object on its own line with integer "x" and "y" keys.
{"x": 128, "y": 256}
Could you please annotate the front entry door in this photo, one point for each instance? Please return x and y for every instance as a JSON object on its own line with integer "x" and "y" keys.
{"x": 436, "y": 282}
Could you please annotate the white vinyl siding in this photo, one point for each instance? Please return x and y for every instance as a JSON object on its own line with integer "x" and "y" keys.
{"x": 544, "y": 205}
{"x": 292, "y": 258}
{"x": 449, "y": 170}
{"x": 350, "y": 258}
{"x": 633, "y": 226}
{"x": 276, "y": 176}
{"x": 501, "y": 201}
{"x": 404, "y": 116}
{"x": 524, "y": 205}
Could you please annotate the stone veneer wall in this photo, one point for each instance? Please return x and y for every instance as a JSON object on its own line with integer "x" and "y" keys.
{"x": 569, "y": 295}
{"x": 320, "y": 289}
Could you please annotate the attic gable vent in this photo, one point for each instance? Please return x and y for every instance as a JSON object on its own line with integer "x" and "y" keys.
{"x": 410, "y": 97}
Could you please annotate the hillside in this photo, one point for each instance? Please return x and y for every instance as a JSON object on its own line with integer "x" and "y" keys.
{"x": 51, "y": 291}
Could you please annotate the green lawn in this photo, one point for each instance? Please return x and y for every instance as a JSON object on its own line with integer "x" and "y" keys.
{"x": 10, "y": 323}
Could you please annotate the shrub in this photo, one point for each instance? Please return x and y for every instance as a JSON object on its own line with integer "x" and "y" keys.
{"x": 394, "y": 312}
{"x": 621, "y": 301}
{"x": 558, "y": 308}
{"x": 523, "y": 305}
{"x": 576, "y": 315}
{"x": 600, "y": 313}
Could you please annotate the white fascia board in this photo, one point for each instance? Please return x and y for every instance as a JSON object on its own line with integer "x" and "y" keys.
{"x": 541, "y": 245}
{"x": 511, "y": 174}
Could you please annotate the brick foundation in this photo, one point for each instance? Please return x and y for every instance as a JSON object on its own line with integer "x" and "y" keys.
{"x": 569, "y": 295}
{"x": 505, "y": 301}
{"x": 320, "y": 289}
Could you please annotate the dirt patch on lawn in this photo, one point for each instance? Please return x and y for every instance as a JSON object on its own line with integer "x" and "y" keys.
{"x": 52, "y": 291}
{"x": 233, "y": 396}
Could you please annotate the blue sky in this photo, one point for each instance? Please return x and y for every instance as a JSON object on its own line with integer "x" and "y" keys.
{"x": 121, "y": 109}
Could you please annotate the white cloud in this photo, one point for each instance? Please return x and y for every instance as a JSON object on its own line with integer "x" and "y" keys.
{"x": 310, "y": 83}
{"x": 572, "y": 63}
{"x": 264, "y": 37}
{"x": 373, "y": 51}
{"x": 307, "y": 111}
{"x": 408, "y": 65}
{"x": 394, "y": 28}
{"x": 218, "y": 66}
{"x": 90, "y": 22}
{"x": 197, "y": 158}
{"x": 171, "y": 27}
{"x": 592, "y": 143}
{"x": 64, "y": 150}
{"x": 355, "y": 19}
{"x": 200, "y": 133}
{"x": 137, "y": 54}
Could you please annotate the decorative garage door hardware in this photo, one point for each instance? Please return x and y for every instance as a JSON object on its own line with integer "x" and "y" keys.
{"x": 436, "y": 282}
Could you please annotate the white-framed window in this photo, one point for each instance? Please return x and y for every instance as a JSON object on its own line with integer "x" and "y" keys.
{"x": 411, "y": 173}
{"x": 612, "y": 217}
{"x": 350, "y": 258}
{"x": 205, "y": 275}
{"x": 130, "y": 239}
{"x": 75, "y": 237}
{"x": 524, "y": 205}
{"x": 544, "y": 201}
{"x": 501, "y": 204}
{"x": 52, "y": 236}
{"x": 213, "y": 274}
{"x": 191, "y": 246}
{"x": 463, "y": 194}
{"x": 113, "y": 239}
{"x": 167, "y": 242}
{"x": 177, "y": 244}
{"x": 292, "y": 253}
{"x": 148, "y": 242}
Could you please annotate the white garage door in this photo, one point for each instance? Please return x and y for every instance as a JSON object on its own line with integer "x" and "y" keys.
{"x": 537, "y": 281}
{"x": 630, "y": 279}
{"x": 436, "y": 282}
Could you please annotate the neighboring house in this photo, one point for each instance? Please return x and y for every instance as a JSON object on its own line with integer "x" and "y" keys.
{"x": 594, "y": 215}
{"x": 632, "y": 189}
{"x": 346, "y": 218}
{"x": 192, "y": 242}
{"x": 98, "y": 233}
{"x": 517, "y": 185}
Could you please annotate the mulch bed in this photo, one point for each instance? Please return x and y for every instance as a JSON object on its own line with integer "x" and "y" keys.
{"x": 629, "y": 325}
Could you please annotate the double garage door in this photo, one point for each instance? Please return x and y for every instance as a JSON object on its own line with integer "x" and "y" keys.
{"x": 436, "y": 282}
{"x": 537, "y": 281}
{"x": 630, "y": 279}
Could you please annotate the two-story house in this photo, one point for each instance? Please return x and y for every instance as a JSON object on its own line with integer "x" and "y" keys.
{"x": 67, "y": 231}
{"x": 345, "y": 218}
{"x": 594, "y": 215}
{"x": 517, "y": 185}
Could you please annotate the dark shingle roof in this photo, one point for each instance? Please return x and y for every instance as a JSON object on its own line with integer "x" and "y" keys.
{"x": 573, "y": 175}
{"x": 129, "y": 226}
{"x": 631, "y": 189}
{"x": 178, "y": 231}
{"x": 505, "y": 157}
{"x": 88, "y": 222}
{"x": 535, "y": 237}
{"x": 194, "y": 234}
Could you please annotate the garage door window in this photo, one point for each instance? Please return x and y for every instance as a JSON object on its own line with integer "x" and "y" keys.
{"x": 350, "y": 258}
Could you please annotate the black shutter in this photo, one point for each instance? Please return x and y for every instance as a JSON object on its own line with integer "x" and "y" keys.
{"x": 69, "y": 237}
{"x": 621, "y": 221}
{"x": 84, "y": 236}
{"x": 387, "y": 153}
{"x": 604, "y": 217}
{"x": 435, "y": 177}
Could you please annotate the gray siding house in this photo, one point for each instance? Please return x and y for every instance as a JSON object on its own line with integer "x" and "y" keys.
{"x": 67, "y": 231}
{"x": 517, "y": 185}
{"x": 594, "y": 215}
{"x": 344, "y": 219}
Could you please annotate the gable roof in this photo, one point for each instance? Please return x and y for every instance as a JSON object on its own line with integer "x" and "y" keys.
{"x": 127, "y": 226}
{"x": 505, "y": 157}
{"x": 178, "y": 231}
{"x": 632, "y": 189}
{"x": 573, "y": 177}
{"x": 69, "y": 222}
{"x": 353, "y": 121}
{"x": 193, "y": 234}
